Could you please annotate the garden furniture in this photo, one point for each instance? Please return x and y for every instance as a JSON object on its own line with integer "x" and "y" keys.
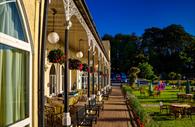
{"x": 93, "y": 107}
{"x": 180, "y": 96}
{"x": 181, "y": 88}
{"x": 105, "y": 95}
{"x": 163, "y": 107}
{"x": 83, "y": 119}
{"x": 180, "y": 109}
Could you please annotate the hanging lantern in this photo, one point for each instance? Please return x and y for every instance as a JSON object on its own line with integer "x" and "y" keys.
{"x": 79, "y": 54}
{"x": 53, "y": 37}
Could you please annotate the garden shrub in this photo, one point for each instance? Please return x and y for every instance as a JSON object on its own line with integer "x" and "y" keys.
{"x": 139, "y": 111}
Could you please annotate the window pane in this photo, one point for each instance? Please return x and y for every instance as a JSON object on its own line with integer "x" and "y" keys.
{"x": 14, "y": 85}
{"x": 10, "y": 21}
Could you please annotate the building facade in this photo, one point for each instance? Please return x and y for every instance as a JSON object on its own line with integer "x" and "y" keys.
{"x": 21, "y": 35}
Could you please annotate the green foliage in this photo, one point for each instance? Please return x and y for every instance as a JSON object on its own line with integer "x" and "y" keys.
{"x": 172, "y": 75}
{"x": 85, "y": 67}
{"x": 151, "y": 106}
{"x": 166, "y": 49}
{"x": 147, "y": 71}
{"x": 126, "y": 89}
{"x": 123, "y": 51}
{"x": 74, "y": 64}
{"x": 56, "y": 56}
{"x": 133, "y": 74}
{"x": 178, "y": 76}
{"x": 134, "y": 70}
{"x": 137, "y": 108}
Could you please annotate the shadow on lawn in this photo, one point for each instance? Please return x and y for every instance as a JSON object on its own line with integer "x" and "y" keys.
{"x": 156, "y": 116}
{"x": 157, "y": 101}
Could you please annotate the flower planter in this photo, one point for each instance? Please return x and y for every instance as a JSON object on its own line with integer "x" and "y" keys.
{"x": 56, "y": 56}
{"x": 85, "y": 67}
{"x": 75, "y": 64}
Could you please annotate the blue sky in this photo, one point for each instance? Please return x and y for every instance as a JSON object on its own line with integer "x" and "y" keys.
{"x": 128, "y": 16}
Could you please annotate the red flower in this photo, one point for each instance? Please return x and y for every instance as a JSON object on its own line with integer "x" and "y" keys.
{"x": 141, "y": 125}
{"x": 80, "y": 67}
{"x": 88, "y": 69}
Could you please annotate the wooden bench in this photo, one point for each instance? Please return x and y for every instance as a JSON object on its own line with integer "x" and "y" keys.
{"x": 94, "y": 107}
{"x": 108, "y": 90}
{"x": 105, "y": 95}
{"x": 85, "y": 119}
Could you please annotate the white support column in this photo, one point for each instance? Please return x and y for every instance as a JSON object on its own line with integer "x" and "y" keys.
{"x": 66, "y": 120}
{"x": 99, "y": 96}
{"x": 93, "y": 76}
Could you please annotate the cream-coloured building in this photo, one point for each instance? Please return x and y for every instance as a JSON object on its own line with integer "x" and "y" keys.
{"x": 21, "y": 35}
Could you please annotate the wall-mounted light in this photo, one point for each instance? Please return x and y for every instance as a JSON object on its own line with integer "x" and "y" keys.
{"x": 53, "y": 37}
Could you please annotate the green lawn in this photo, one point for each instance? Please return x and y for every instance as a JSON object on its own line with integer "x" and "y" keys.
{"x": 168, "y": 96}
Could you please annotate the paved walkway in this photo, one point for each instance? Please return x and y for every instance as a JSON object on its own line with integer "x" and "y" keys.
{"x": 115, "y": 113}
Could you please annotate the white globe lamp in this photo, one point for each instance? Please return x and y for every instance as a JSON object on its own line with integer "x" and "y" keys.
{"x": 79, "y": 54}
{"x": 53, "y": 37}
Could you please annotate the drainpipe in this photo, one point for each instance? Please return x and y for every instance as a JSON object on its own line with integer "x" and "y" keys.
{"x": 42, "y": 41}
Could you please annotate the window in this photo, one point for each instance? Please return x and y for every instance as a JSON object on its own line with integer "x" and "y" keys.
{"x": 52, "y": 80}
{"x": 62, "y": 78}
{"x": 15, "y": 67}
{"x": 84, "y": 80}
{"x": 11, "y": 23}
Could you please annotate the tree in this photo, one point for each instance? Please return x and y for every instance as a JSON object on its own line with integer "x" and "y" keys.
{"x": 147, "y": 71}
{"x": 169, "y": 49}
{"x": 123, "y": 51}
{"x": 178, "y": 77}
{"x": 163, "y": 46}
{"x": 172, "y": 75}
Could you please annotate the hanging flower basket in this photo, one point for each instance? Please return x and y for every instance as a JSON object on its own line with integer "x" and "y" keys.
{"x": 75, "y": 64}
{"x": 56, "y": 56}
{"x": 85, "y": 67}
{"x": 92, "y": 70}
{"x": 81, "y": 67}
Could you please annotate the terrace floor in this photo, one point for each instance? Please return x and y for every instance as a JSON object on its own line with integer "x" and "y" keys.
{"x": 115, "y": 113}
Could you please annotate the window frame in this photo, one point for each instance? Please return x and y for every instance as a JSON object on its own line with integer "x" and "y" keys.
{"x": 25, "y": 46}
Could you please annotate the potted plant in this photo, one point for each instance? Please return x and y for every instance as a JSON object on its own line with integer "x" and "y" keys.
{"x": 85, "y": 67}
{"x": 75, "y": 64}
{"x": 92, "y": 70}
{"x": 56, "y": 56}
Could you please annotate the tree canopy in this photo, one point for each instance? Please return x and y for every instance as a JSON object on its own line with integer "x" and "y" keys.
{"x": 169, "y": 49}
